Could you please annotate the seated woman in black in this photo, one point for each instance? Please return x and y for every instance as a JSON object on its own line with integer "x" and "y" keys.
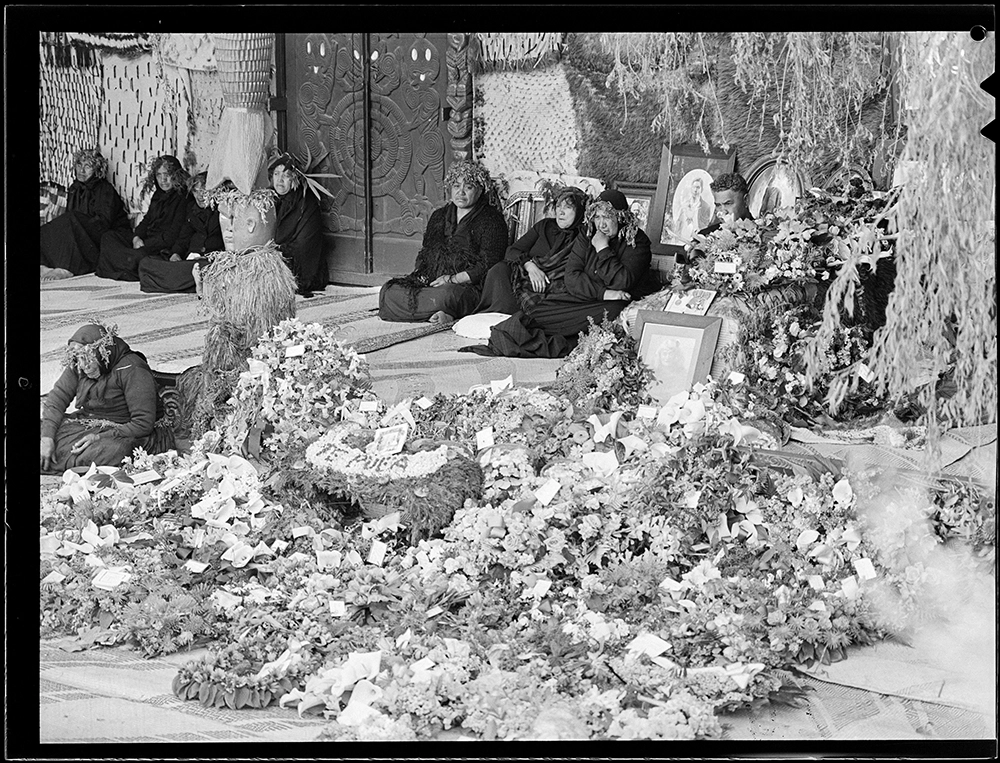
{"x": 535, "y": 264}
{"x": 159, "y": 274}
{"x": 121, "y": 252}
{"x": 463, "y": 240}
{"x": 71, "y": 243}
{"x": 604, "y": 272}
{"x": 299, "y": 234}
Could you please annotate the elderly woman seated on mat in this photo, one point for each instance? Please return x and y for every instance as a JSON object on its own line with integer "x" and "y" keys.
{"x": 463, "y": 240}
{"x": 116, "y": 401}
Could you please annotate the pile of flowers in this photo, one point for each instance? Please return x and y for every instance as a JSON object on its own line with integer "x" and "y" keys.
{"x": 584, "y": 566}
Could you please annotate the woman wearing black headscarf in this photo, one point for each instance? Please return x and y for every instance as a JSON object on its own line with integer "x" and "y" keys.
{"x": 70, "y": 244}
{"x": 605, "y": 271}
{"x": 535, "y": 264}
{"x": 159, "y": 229}
{"x": 116, "y": 402}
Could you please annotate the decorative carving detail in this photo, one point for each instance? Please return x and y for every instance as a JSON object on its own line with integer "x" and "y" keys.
{"x": 459, "y": 95}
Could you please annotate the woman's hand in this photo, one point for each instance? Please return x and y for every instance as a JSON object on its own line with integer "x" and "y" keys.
{"x": 84, "y": 442}
{"x": 600, "y": 241}
{"x": 462, "y": 277}
{"x": 614, "y": 295}
{"x": 136, "y": 242}
{"x": 539, "y": 281}
{"x": 48, "y": 448}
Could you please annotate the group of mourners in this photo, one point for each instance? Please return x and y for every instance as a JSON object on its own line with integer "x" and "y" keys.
{"x": 584, "y": 264}
{"x": 95, "y": 235}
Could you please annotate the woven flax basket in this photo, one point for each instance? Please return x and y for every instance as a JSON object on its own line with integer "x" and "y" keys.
{"x": 244, "y": 62}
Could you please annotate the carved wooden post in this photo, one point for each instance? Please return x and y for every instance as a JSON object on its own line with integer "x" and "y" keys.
{"x": 460, "y": 95}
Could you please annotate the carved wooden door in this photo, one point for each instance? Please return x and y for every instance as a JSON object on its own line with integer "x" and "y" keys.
{"x": 369, "y": 107}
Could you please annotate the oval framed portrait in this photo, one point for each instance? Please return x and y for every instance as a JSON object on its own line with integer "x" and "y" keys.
{"x": 772, "y": 186}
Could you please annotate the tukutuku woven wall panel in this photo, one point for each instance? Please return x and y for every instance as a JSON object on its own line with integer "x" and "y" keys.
{"x": 69, "y": 116}
{"x": 137, "y": 125}
{"x": 529, "y": 122}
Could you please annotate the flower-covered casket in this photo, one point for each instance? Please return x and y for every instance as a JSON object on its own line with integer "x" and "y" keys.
{"x": 427, "y": 481}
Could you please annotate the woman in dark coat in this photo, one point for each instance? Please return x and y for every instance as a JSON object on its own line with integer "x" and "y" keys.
{"x": 299, "y": 234}
{"x": 604, "y": 272}
{"x": 116, "y": 402}
{"x": 463, "y": 240}
{"x": 159, "y": 229}
{"x": 200, "y": 234}
{"x": 71, "y": 243}
{"x": 535, "y": 265}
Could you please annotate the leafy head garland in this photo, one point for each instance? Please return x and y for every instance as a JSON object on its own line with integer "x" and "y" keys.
{"x": 93, "y": 157}
{"x": 627, "y": 224}
{"x": 177, "y": 174}
{"x": 228, "y": 195}
{"x": 302, "y": 177}
{"x": 476, "y": 174}
{"x": 199, "y": 180}
{"x": 78, "y": 356}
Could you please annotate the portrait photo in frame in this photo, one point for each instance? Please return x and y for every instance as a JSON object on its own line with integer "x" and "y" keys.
{"x": 679, "y": 348}
{"x": 640, "y": 201}
{"x": 683, "y": 203}
{"x": 772, "y": 186}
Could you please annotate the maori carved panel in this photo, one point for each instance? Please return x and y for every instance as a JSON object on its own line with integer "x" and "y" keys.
{"x": 407, "y": 152}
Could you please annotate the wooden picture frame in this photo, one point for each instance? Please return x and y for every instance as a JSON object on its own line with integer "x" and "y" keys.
{"x": 679, "y": 348}
{"x": 640, "y": 200}
{"x": 680, "y": 166}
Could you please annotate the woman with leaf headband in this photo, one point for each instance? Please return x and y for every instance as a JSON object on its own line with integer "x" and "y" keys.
{"x": 116, "y": 400}
{"x": 463, "y": 240}
{"x": 200, "y": 234}
{"x": 605, "y": 271}
{"x": 535, "y": 265}
{"x": 71, "y": 243}
{"x": 299, "y": 234}
{"x": 160, "y": 226}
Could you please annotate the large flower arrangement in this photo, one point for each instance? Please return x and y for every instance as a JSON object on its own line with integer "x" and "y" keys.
{"x": 603, "y": 372}
{"x": 298, "y": 381}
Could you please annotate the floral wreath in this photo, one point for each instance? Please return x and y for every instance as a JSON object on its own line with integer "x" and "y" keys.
{"x": 628, "y": 225}
{"x": 227, "y": 194}
{"x": 471, "y": 172}
{"x": 178, "y": 174}
{"x": 76, "y": 356}
{"x": 95, "y": 157}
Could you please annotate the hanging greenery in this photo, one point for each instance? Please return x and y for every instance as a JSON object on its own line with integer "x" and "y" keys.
{"x": 815, "y": 88}
{"x": 944, "y": 304}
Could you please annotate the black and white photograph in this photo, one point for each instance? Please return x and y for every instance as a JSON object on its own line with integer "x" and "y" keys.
{"x": 579, "y": 390}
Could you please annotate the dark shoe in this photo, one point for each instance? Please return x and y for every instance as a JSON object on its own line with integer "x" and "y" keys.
{"x": 305, "y": 293}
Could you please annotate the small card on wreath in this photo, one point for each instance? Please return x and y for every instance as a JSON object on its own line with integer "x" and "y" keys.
{"x": 295, "y": 351}
{"x": 693, "y": 302}
{"x": 368, "y": 405}
{"x": 377, "y": 554}
{"x": 724, "y": 266}
{"x": 484, "y": 438}
{"x": 390, "y": 440}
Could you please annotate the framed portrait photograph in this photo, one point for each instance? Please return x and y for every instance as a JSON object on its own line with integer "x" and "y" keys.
{"x": 390, "y": 440}
{"x": 640, "y": 199}
{"x": 679, "y": 348}
{"x": 772, "y": 186}
{"x": 683, "y": 203}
